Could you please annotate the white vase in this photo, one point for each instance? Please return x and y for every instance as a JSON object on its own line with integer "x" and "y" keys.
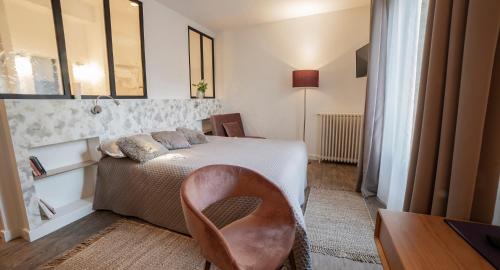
{"x": 200, "y": 95}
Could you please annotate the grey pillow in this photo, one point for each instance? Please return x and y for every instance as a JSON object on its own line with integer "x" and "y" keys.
{"x": 171, "y": 139}
{"x": 141, "y": 147}
{"x": 193, "y": 136}
{"x": 111, "y": 148}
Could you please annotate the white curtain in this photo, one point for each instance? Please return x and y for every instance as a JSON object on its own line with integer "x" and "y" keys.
{"x": 406, "y": 30}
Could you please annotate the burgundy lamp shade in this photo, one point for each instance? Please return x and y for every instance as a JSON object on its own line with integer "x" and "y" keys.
{"x": 306, "y": 78}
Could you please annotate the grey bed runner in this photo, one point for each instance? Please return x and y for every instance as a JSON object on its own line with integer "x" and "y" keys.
{"x": 150, "y": 191}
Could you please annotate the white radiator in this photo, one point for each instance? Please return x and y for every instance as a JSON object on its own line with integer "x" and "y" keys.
{"x": 341, "y": 137}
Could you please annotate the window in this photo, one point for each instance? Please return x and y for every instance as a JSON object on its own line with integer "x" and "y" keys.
{"x": 71, "y": 48}
{"x": 201, "y": 62}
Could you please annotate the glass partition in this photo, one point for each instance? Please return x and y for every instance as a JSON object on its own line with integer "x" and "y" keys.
{"x": 85, "y": 36}
{"x": 64, "y": 48}
{"x": 127, "y": 47}
{"x": 29, "y": 56}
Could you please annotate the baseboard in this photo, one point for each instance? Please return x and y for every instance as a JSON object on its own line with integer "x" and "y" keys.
{"x": 314, "y": 157}
{"x": 25, "y": 234}
{"x": 381, "y": 202}
{"x": 8, "y": 235}
{"x": 55, "y": 224}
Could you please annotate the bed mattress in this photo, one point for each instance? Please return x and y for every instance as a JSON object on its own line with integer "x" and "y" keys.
{"x": 150, "y": 191}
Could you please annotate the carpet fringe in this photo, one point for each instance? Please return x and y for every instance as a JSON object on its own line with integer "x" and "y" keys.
{"x": 364, "y": 258}
{"x": 80, "y": 247}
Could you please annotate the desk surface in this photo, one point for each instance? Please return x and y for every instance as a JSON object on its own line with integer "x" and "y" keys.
{"x": 415, "y": 241}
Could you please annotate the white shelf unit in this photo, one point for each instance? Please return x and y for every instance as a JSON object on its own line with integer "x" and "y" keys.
{"x": 65, "y": 169}
{"x": 69, "y": 183}
{"x": 64, "y": 216}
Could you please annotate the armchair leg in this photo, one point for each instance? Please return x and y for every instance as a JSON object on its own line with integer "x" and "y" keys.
{"x": 207, "y": 265}
{"x": 292, "y": 260}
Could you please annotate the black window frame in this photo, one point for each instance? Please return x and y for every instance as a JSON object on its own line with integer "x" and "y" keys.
{"x": 63, "y": 59}
{"x": 202, "y": 59}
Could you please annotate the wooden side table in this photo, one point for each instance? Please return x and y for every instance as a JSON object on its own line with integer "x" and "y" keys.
{"x": 415, "y": 241}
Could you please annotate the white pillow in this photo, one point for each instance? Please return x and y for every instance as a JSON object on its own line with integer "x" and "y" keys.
{"x": 111, "y": 148}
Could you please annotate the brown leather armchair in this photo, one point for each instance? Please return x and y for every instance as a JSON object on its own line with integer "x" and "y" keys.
{"x": 222, "y": 123}
{"x": 261, "y": 240}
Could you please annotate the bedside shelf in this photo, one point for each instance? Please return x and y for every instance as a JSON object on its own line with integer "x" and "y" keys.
{"x": 64, "y": 216}
{"x": 66, "y": 169}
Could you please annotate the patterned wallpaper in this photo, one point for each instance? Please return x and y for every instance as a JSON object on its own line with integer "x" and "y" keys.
{"x": 36, "y": 123}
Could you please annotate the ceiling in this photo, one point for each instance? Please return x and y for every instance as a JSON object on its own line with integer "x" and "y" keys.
{"x": 226, "y": 14}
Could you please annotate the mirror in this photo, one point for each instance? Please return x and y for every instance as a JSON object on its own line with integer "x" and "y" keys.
{"x": 208, "y": 68}
{"x": 194, "y": 60}
{"x": 201, "y": 62}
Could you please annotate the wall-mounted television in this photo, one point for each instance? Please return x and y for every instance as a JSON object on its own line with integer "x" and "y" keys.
{"x": 362, "y": 61}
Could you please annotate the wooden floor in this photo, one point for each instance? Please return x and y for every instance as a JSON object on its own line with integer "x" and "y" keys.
{"x": 20, "y": 254}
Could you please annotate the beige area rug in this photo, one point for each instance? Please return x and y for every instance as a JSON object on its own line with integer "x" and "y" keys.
{"x": 338, "y": 224}
{"x": 129, "y": 244}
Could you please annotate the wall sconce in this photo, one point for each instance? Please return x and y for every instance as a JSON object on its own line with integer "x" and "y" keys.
{"x": 97, "y": 109}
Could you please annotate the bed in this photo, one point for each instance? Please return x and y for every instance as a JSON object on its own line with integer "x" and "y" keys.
{"x": 150, "y": 191}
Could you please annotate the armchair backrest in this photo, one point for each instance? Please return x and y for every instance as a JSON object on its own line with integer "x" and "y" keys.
{"x": 219, "y": 119}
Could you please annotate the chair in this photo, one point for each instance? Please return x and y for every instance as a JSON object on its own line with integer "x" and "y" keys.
{"x": 261, "y": 240}
{"x": 228, "y": 125}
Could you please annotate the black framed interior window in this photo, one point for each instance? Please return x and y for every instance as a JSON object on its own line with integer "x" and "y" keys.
{"x": 201, "y": 62}
{"x": 68, "y": 49}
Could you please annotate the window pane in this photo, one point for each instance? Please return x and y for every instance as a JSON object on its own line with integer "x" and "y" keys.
{"x": 194, "y": 60}
{"x": 208, "y": 70}
{"x": 29, "y": 60}
{"x": 85, "y": 37}
{"x": 127, "y": 52}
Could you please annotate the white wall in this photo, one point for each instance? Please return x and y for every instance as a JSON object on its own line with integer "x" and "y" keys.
{"x": 166, "y": 48}
{"x": 255, "y": 64}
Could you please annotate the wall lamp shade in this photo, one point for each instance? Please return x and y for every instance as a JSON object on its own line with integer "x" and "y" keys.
{"x": 305, "y": 78}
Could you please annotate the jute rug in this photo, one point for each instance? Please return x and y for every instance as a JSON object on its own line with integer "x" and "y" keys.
{"x": 338, "y": 224}
{"x": 129, "y": 244}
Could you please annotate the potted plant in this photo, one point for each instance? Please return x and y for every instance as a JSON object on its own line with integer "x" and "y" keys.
{"x": 202, "y": 87}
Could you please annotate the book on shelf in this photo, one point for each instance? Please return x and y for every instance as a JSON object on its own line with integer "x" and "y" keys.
{"x": 35, "y": 170}
{"x": 50, "y": 207}
{"x": 45, "y": 210}
{"x": 38, "y": 165}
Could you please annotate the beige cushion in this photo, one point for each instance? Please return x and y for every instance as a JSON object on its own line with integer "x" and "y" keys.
{"x": 111, "y": 148}
{"x": 171, "y": 139}
{"x": 193, "y": 136}
{"x": 141, "y": 148}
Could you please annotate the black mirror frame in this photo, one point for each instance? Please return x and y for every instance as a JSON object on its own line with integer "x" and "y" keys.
{"x": 202, "y": 59}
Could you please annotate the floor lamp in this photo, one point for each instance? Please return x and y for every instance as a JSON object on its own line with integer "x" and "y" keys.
{"x": 305, "y": 79}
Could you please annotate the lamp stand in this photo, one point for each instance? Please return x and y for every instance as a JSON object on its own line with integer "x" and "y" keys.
{"x": 305, "y": 110}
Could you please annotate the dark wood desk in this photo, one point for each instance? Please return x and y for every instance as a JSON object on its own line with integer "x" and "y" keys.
{"x": 414, "y": 241}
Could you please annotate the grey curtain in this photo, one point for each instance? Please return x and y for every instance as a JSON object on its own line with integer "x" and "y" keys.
{"x": 455, "y": 164}
{"x": 369, "y": 163}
